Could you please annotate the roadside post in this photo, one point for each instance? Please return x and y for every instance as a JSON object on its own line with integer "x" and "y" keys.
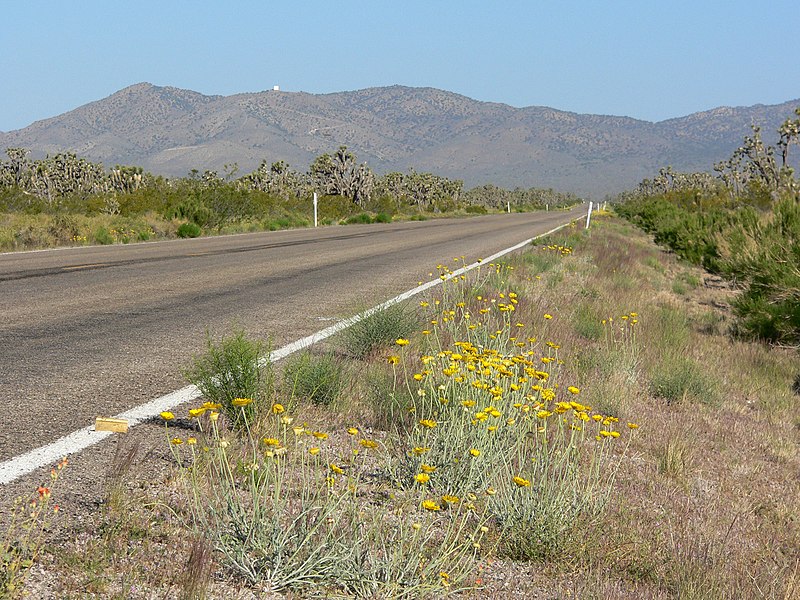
{"x": 509, "y": 207}
{"x": 589, "y": 216}
{"x": 315, "y": 209}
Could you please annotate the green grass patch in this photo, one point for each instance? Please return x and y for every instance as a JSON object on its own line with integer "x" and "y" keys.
{"x": 317, "y": 379}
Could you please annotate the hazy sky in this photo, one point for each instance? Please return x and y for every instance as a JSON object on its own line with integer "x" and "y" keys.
{"x": 642, "y": 58}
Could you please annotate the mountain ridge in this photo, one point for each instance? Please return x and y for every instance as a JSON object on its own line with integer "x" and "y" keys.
{"x": 170, "y": 130}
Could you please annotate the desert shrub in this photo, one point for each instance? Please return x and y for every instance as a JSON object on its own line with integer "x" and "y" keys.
{"x": 379, "y": 329}
{"x": 360, "y": 218}
{"x": 679, "y": 377}
{"x": 315, "y": 378}
{"x": 102, "y": 236}
{"x": 587, "y": 322}
{"x": 383, "y": 218}
{"x": 235, "y": 367}
{"x": 189, "y": 230}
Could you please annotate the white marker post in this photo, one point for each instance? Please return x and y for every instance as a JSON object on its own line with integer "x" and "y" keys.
{"x": 315, "y": 209}
{"x": 589, "y": 216}
{"x": 509, "y": 207}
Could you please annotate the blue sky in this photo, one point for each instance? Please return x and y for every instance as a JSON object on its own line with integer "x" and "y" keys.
{"x": 645, "y": 59}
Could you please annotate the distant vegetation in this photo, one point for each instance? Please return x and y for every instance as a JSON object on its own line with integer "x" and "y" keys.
{"x": 743, "y": 224}
{"x": 64, "y": 199}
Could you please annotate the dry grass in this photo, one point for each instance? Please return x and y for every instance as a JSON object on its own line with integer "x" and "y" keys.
{"x": 705, "y": 500}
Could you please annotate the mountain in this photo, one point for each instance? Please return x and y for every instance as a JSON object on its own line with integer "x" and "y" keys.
{"x": 170, "y": 131}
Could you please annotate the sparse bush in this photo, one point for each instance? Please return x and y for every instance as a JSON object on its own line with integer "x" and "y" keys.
{"x": 103, "y": 236}
{"x": 361, "y": 218}
{"x": 315, "y": 378}
{"x": 677, "y": 378}
{"x": 381, "y": 328}
{"x": 588, "y": 323}
{"x": 235, "y": 367}
{"x": 383, "y": 218}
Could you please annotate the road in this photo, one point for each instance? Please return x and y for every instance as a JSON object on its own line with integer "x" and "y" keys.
{"x": 98, "y": 330}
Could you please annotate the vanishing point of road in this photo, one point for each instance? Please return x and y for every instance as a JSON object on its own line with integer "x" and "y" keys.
{"x": 94, "y": 331}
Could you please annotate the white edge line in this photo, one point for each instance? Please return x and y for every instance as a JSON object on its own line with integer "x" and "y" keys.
{"x": 76, "y": 441}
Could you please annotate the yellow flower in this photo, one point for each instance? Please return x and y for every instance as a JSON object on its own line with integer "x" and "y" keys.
{"x": 427, "y": 468}
{"x": 547, "y": 316}
{"x": 573, "y": 390}
{"x": 633, "y": 426}
{"x": 490, "y": 491}
{"x": 430, "y": 505}
{"x": 521, "y": 482}
{"x": 450, "y": 499}
{"x": 167, "y": 416}
{"x": 615, "y": 434}
{"x": 543, "y": 414}
{"x": 211, "y": 405}
{"x": 241, "y": 401}
{"x": 320, "y": 435}
{"x": 393, "y": 360}
{"x": 336, "y": 469}
{"x": 429, "y": 423}
{"x": 368, "y": 443}
{"x": 286, "y": 420}
{"x": 475, "y": 452}
{"x": 401, "y": 342}
{"x": 271, "y": 441}
{"x": 313, "y": 451}
{"x": 196, "y": 412}
{"x": 277, "y": 409}
{"x": 422, "y": 478}
{"x": 176, "y": 441}
{"x": 419, "y": 450}
{"x": 416, "y": 526}
{"x": 352, "y": 431}
{"x": 191, "y": 441}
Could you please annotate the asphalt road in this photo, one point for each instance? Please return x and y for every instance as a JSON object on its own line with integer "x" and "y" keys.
{"x": 98, "y": 330}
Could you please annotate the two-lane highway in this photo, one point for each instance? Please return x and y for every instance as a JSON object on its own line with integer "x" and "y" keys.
{"x": 97, "y": 330}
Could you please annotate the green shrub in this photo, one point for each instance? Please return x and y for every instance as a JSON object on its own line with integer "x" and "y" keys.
{"x": 379, "y": 329}
{"x": 476, "y": 209}
{"x": 189, "y": 230}
{"x": 588, "y": 322}
{"x": 679, "y": 377}
{"x": 361, "y": 218}
{"x": 235, "y": 367}
{"x": 316, "y": 378}
{"x": 383, "y": 218}
{"x": 102, "y": 236}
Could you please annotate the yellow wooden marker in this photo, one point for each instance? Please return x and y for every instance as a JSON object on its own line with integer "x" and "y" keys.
{"x": 111, "y": 424}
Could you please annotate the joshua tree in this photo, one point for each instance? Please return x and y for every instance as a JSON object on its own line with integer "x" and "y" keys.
{"x": 340, "y": 175}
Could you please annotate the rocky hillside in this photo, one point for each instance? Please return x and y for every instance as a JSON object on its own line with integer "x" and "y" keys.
{"x": 170, "y": 131}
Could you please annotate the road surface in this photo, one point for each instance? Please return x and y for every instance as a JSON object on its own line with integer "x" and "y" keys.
{"x": 95, "y": 331}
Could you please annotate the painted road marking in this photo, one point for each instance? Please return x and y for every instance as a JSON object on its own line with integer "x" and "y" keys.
{"x": 76, "y": 441}
{"x": 75, "y": 267}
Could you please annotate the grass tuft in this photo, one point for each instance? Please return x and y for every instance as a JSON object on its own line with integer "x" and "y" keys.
{"x": 318, "y": 379}
{"x": 379, "y": 330}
